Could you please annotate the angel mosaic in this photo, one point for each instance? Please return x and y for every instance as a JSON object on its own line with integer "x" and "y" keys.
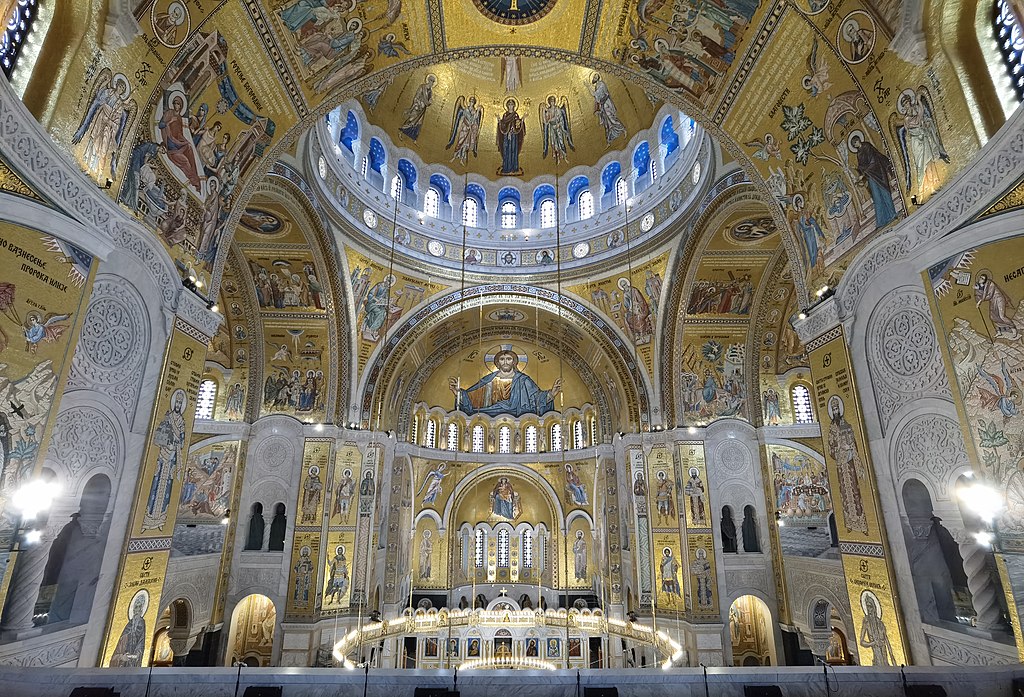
{"x": 465, "y": 134}
{"x": 106, "y": 121}
{"x": 39, "y": 329}
{"x": 916, "y": 132}
{"x": 556, "y": 128}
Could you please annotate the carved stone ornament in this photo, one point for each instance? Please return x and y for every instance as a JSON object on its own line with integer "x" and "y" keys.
{"x": 84, "y": 438}
{"x": 112, "y": 347}
{"x": 932, "y": 446}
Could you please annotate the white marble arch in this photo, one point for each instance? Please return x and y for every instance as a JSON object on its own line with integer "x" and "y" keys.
{"x": 925, "y": 427}
{"x": 432, "y": 515}
{"x": 773, "y": 612}
{"x": 38, "y": 216}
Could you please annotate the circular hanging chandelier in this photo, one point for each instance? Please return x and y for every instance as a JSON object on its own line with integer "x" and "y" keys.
{"x": 435, "y": 622}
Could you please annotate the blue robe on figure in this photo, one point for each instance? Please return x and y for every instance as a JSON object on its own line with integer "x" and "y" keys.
{"x": 524, "y": 398}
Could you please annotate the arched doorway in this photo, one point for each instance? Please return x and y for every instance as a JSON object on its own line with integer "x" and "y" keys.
{"x": 751, "y": 632}
{"x": 251, "y": 640}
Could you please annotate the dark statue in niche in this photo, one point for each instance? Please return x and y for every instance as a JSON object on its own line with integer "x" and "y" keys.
{"x": 254, "y": 540}
{"x": 277, "y": 529}
{"x": 751, "y": 543}
{"x": 728, "y": 531}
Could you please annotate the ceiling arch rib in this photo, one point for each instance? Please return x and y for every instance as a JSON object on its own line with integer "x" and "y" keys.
{"x": 617, "y": 350}
{"x": 470, "y": 338}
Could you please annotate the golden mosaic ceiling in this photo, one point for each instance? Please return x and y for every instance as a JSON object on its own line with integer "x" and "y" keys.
{"x": 458, "y": 114}
{"x": 810, "y": 96}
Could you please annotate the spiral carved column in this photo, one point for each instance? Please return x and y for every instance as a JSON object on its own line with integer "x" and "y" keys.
{"x": 979, "y": 580}
{"x": 28, "y": 577}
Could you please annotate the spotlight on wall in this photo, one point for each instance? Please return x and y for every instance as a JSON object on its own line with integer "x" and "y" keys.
{"x": 33, "y": 536}
{"x": 802, "y": 314}
{"x": 982, "y": 500}
{"x": 984, "y": 538}
{"x": 821, "y": 291}
{"x": 691, "y": 430}
{"x": 913, "y": 199}
{"x": 779, "y": 521}
{"x": 227, "y": 517}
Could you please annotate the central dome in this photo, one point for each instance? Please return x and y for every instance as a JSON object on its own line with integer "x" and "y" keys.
{"x": 509, "y": 116}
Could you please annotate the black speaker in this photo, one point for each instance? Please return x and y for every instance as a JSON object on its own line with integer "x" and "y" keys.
{"x": 762, "y": 691}
{"x": 94, "y": 692}
{"x": 435, "y": 692}
{"x": 925, "y": 691}
{"x": 262, "y": 691}
{"x": 600, "y": 692}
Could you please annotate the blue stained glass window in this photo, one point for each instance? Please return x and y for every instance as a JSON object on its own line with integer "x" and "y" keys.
{"x": 1011, "y": 44}
{"x": 15, "y": 32}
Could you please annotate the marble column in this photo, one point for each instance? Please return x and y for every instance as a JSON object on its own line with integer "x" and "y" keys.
{"x": 26, "y": 581}
{"x": 984, "y": 593}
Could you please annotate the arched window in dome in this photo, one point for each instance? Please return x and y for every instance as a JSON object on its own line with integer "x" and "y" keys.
{"x": 669, "y": 142}
{"x": 205, "y": 399}
{"x": 453, "y": 436}
{"x": 621, "y": 191}
{"x": 478, "y": 439}
{"x": 548, "y": 211}
{"x": 531, "y": 439}
{"x": 432, "y": 202}
{"x": 396, "y": 187}
{"x": 440, "y": 184}
{"x": 800, "y": 398}
{"x": 642, "y": 169}
{"x": 556, "y": 437}
{"x": 1010, "y": 38}
{"x": 17, "y": 28}
{"x": 505, "y": 439}
{"x": 377, "y": 156}
{"x": 470, "y": 212}
{"x": 480, "y": 548}
{"x": 586, "y": 204}
{"x": 430, "y": 437}
{"x": 577, "y": 434}
{"x": 350, "y": 133}
{"x": 509, "y": 207}
{"x": 503, "y": 548}
{"x": 508, "y": 215}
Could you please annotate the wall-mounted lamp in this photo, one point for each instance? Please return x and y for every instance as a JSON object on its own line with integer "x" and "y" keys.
{"x": 779, "y": 521}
